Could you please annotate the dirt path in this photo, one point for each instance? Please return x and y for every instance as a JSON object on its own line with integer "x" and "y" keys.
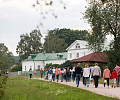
{"x": 110, "y": 92}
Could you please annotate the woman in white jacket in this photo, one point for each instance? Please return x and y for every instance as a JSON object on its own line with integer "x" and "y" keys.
{"x": 86, "y": 74}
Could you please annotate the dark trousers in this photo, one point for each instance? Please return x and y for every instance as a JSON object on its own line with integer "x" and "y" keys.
{"x": 107, "y": 81}
{"x": 73, "y": 77}
{"x": 30, "y": 76}
{"x": 67, "y": 77}
{"x": 78, "y": 78}
{"x": 57, "y": 76}
{"x": 41, "y": 75}
{"x": 53, "y": 77}
{"x": 96, "y": 80}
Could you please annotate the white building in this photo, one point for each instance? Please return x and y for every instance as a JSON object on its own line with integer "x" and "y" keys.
{"x": 37, "y": 61}
{"x": 77, "y": 49}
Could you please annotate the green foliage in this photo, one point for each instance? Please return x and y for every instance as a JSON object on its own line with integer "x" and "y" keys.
{"x": 6, "y": 59}
{"x": 16, "y": 68}
{"x": 52, "y": 65}
{"x": 16, "y": 59}
{"x": 3, "y": 80}
{"x": 67, "y": 64}
{"x": 58, "y": 40}
{"x": 29, "y": 44}
{"x": 104, "y": 18}
{"x": 53, "y": 43}
{"x": 97, "y": 37}
{"x": 71, "y": 35}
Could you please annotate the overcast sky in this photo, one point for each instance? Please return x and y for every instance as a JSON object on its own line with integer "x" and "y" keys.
{"x": 19, "y": 17}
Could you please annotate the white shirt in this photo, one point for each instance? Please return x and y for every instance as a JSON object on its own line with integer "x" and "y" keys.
{"x": 86, "y": 72}
{"x": 53, "y": 71}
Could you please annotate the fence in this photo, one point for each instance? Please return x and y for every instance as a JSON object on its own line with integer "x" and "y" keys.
{"x": 22, "y": 73}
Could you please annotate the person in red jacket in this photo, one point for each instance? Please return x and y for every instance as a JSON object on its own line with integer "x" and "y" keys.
{"x": 57, "y": 70}
{"x": 114, "y": 78}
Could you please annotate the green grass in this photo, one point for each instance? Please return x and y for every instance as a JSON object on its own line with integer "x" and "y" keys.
{"x": 22, "y": 88}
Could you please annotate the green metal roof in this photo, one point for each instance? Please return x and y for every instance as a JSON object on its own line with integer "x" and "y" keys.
{"x": 47, "y": 56}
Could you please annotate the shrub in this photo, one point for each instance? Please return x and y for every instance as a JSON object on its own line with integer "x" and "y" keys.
{"x": 17, "y": 68}
{"x": 3, "y": 80}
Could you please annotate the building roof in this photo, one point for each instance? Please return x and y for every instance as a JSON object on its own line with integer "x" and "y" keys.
{"x": 82, "y": 42}
{"x": 47, "y": 56}
{"x": 93, "y": 57}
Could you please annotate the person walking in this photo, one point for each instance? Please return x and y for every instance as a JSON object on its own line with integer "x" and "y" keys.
{"x": 78, "y": 71}
{"x": 44, "y": 73}
{"x": 86, "y": 74}
{"x": 57, "y": 70}
{"x": 117, "y": 68}
{"x": 73, "y": 73}
{"x": 34, "y": 72}
{"x": 114, "y": 78}
{"x": 67, "y": 74}
{"x": 30, "y": 72}
{"x": 96, "y": 72}
{"x": 106, "y": 76}
{"x": 62, "y": 73}
{"x": 41, "y": 72}
{"x": 91, "y": 77}
{"x": 50, "y": 72}
{"x": 53, "y": 75}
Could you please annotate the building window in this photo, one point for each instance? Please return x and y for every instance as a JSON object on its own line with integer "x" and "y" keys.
{"x": 38, "y": 67}
{"x": 25, "y": 68}
{"x": 78, "y": 45}
{"x": 77, "y": 55}
{"x": 70, "y": 55}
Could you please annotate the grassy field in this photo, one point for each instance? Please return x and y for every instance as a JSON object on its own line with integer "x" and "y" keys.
{"x": 22, "y": 88}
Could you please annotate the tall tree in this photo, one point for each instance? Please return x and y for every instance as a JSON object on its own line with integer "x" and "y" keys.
{"x": 70, "y": 35}
{"x": 6, "y": 60}
{"x": 29, "y": 44}
{"x": 62, "y": 38}
{"x": 53, "y": 43}
{"x": 96, "y": 38}
{"x": 108, "y": 12}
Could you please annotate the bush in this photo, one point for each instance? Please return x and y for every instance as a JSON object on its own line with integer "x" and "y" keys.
{"x": 17, "y": 68}
{"x": 67, "y": 64}
{"x": 3, "y": 80}
{"x": 52, "y": 65}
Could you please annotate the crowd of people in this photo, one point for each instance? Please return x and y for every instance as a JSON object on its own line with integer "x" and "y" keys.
{"x": 88, "y": 74}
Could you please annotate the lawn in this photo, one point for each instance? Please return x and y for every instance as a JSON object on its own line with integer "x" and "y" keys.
{"x": 22, "y": 88}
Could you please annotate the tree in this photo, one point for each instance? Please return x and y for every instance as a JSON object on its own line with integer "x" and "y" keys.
{"x": 95, "y": 38}
{"x": 62, "y": 38}
{"x": 29, "y": 44}
{"x": 70, "y": 35}
{"x": 53, "y": 43}
{"x": 106, "y": 14}
{"x": 16, "y": 68}
{"x": 6, "y": 60}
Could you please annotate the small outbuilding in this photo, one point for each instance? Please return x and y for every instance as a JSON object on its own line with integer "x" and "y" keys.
{"x": 96, "y": 57}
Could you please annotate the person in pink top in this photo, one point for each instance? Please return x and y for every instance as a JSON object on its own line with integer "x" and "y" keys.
{"x": 117, "y": 68}
{"x": 106, "y": 76}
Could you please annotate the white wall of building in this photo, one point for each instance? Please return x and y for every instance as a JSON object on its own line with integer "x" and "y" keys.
{"x": 77, "y": 52}
{"x": 74, "y": 54}
{"x": 39, "y": 64}
{"x": 26, "y": 65}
